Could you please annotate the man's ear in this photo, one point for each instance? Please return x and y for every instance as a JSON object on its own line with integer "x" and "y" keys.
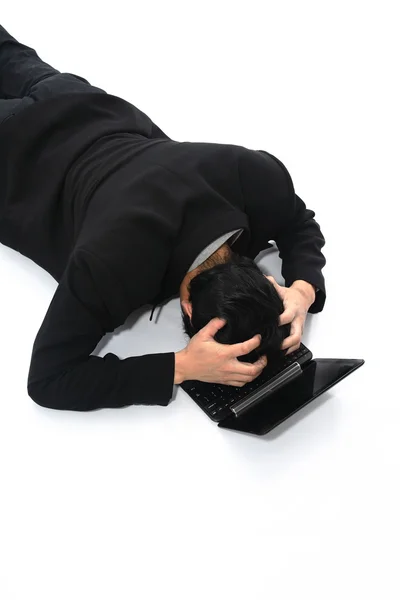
{"x": 187, "y": 307}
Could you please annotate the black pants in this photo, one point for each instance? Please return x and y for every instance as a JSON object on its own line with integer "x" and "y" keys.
{"x": 25, "y": 78}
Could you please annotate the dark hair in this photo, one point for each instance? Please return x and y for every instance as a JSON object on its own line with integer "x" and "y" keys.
{"x": 238, "y": 291}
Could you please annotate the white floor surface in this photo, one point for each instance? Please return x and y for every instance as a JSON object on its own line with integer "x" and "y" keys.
{"x": 158, "y": 502}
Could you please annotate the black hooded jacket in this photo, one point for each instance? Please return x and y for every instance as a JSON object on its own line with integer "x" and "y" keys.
{"x": 94, "y": 193}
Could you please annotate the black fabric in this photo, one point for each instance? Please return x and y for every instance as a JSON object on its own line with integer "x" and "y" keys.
{"x": 96, "y": 194}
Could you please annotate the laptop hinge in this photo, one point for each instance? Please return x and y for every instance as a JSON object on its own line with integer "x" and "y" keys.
{"x": 267, "y": 389}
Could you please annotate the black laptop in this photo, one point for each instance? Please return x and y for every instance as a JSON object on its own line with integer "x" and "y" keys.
{"x": 282, "y": 389}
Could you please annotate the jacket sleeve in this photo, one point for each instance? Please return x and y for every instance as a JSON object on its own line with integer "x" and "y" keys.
{"x": 63, "y": 374}
{"x": 299, "y": 242}
{"x": 277, "y": 213}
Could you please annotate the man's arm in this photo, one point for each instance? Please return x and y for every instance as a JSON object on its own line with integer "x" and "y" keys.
{"x": 300, "y": 241}
{"x": 63, "y": 374}
{"x": 276, "y": 212}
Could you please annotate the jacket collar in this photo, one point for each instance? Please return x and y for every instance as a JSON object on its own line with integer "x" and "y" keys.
{"x": 183, "y": 259}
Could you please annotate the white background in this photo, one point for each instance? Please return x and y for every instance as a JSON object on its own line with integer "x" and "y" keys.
{"x": 158, "y": 502}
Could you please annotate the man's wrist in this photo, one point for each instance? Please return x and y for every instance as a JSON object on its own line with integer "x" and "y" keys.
{"x": 180, "y": 374}
{"x": 307, "y": 289}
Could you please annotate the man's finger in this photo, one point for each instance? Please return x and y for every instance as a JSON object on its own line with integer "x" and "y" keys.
{"x": 246, "y": 368}
{"x": 286, "y": 317}
{"x": 273, "y": 281}
{"x": 211, "y": 328}
{"x": 290, "y": 341}
{"x": 242, "y": 348}
{"x": 295, "y": 335}
{"x": 293, "y": 348}
{"x": 276, "y": 285}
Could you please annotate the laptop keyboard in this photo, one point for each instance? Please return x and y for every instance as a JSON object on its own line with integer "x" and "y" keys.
{"x": 215, "y": 399}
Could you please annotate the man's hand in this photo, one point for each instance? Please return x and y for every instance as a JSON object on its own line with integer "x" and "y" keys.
{"x": 297, "y": 299}
{"x": 205, "y": 359}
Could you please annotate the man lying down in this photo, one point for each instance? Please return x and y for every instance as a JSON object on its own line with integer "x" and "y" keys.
{"x": 122, "y": 216}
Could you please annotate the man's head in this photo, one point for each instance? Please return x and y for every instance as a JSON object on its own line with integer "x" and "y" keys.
{"x": 232, "y": 287}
